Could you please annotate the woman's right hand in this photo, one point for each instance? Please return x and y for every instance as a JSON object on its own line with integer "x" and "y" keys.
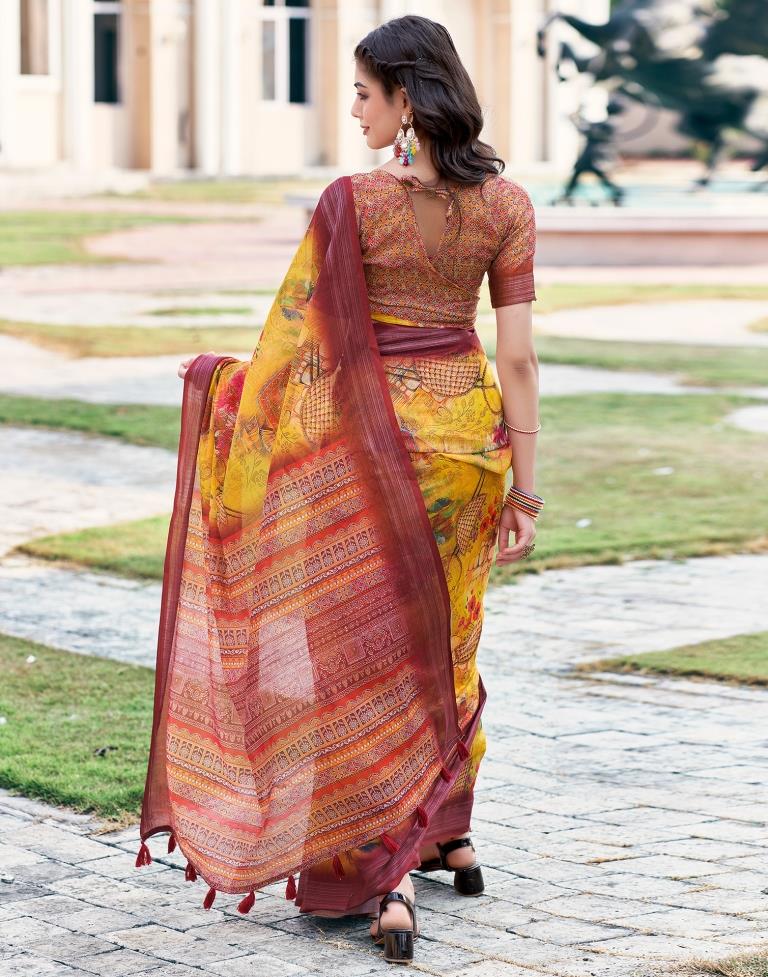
{"x": 522, "y": 525}
{"x": 184, "y": 365}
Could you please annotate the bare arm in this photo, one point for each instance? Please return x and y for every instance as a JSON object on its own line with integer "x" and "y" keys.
{"x": 518, "y": 369}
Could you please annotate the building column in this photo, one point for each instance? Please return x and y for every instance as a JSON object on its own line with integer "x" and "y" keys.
{"x": 10, "y": 58}
{"x": 77, "y": 82}
{"x": 207, "y": 87}
{"x": 231, "y": 86}
{"x": 137, "y": 75}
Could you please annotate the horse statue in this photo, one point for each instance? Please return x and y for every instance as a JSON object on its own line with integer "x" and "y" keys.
{"x": 705, "y": 59}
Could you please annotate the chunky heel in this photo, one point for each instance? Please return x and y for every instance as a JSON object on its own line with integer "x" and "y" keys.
{"x": 469, "y": 881}
{"x": 398, "y": 946}
{"x": 466, "y": 881}
{"x": 398, "y": 943}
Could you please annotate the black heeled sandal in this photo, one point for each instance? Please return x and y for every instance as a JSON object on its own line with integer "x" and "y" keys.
{"x": 398, "y": 943}
{"x": 468, "y": 880}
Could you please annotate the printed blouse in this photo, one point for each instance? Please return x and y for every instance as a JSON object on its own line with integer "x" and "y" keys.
{"x": 486, "y": 228}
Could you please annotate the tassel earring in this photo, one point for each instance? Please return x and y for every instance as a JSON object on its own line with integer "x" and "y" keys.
{"x": 406, "y": 145}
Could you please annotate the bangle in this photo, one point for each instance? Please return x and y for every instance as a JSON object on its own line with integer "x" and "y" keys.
{"x": 521, "y": 431}
{"x": 525, "y": 501}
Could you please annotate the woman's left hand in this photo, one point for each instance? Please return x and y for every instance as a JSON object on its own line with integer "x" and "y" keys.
{"x": 522, "y": 525}
{"x": 184, "y": 365}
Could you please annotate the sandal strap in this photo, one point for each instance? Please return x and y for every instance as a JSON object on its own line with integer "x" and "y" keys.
{"x": 448, "y": 846}
{"x": 395, "y": 896}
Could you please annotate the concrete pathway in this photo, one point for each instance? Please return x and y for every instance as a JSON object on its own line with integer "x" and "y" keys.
{"x": 750, "y": 418}
{"x": 133, "y": 308}
{"x": 718, "y": 322}
{"x": 621, "y": 820}
{"x": 60, "y": 481}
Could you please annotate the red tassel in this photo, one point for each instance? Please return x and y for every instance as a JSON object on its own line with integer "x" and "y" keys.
{"x": 209, "y": 897}
{"x": 171, "y": 842}
{"x": 389, "y": 842}
{"x": 190, "y": 874}
{"x": 462, "y": 749}
{"x": 290, "y": 888}
{"x": 143, "y": 858}
{"x": 246, "y": 905}
{"x": 445, "y": 773}
{"x": 338, "y": 868}
{"x": 421, "y": 816}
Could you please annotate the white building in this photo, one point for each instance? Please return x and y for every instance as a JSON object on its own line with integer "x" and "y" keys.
{"x": 250, "y": 87}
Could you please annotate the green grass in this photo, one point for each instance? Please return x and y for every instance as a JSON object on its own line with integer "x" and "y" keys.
{"x": 157, "y": 426}
{"x": 60, "y": 710}
{"x": 192, "y": 310}
{"x": 596, "y": 459}
{"x": 257, "y": 190}
{"x": 552, "y": 298}
{"x": 713, "y": 366}
{"x": 51, "y": 237}
{"x": 742, "y": 658}
{"x": 695, "y": 365}
{"x": 133, "y": 549}
{"x": 753, "y": 963}
{"x": 133, "y": 340}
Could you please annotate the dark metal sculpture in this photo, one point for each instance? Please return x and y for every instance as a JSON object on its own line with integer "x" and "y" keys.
{"x": 598, "y": 153}
{"x": 708, "y": 60}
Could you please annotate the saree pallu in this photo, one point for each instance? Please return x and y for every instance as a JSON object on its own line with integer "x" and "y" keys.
{"x": 305, "y": 711}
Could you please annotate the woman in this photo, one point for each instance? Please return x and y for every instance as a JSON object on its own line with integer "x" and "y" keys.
{"x": 339, "y": 497}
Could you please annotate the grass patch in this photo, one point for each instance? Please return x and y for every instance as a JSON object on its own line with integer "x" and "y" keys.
{"x": 203, "y": 311}
{"x": 133, "y": 549}
{"x": 133, "y": 340}
{"x": 751, "y": 964}
{"x": 713, "y": 366}
{"x": 596, "y": 460}
{"x": 60, "y": 711}
{"x": 695, "y": 365}
{"x": 261, "y": 191}
{"x": 597, "y": 457}
{"x": 760, "y": 326}
{"x": 742, "y": 658}
{"x": 51, "y": 237}
{"x": 154, "y": 425}
{"x": 552, "y": 298}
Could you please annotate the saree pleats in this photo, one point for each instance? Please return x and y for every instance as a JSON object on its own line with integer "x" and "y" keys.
{"x": 306, "y": 712}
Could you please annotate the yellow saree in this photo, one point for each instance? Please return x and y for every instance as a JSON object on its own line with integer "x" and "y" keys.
{"x": 317, "y": 705}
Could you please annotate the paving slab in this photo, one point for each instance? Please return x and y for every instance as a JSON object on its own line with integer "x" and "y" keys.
{"x": 586, "y": 873}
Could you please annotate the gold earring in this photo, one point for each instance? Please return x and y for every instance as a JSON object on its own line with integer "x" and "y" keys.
{"x": 406, "y": 145}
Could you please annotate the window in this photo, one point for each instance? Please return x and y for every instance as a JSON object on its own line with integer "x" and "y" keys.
{"x": 106, "y": 46}
{"x": 35, "y": 37}
{"x": 285, "y": 50}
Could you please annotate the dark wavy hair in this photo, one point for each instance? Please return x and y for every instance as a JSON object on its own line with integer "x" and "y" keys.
{"x": 419, "y": 54}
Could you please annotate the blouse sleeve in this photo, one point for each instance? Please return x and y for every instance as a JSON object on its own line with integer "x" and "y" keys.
{"x": 510, "y": 274}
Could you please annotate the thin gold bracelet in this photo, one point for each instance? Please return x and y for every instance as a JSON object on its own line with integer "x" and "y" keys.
{"x": 520, "y": 430}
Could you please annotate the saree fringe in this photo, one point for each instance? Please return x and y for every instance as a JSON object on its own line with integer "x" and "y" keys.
{"x": 305, "y": 717}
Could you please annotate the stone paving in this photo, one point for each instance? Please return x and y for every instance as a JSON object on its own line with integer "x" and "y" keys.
{"x": 621, "y": 818}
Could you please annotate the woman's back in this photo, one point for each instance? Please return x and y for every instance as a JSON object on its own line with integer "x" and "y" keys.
{"x": 425, "y": 250}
